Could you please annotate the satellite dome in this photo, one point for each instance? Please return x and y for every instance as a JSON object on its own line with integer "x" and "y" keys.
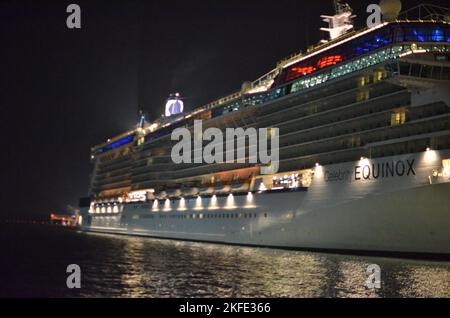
{"x": 390, "y": 9}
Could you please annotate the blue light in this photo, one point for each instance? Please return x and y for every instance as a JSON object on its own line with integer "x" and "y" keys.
{"x": 438, "y": 35}
{"x": 419, "y": 37}
{"x": 117, "y": 144}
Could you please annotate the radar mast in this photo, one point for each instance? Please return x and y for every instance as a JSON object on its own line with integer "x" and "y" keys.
{"x": 341, "y": 22}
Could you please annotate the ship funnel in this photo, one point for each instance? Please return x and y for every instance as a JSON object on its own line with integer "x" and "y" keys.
{"x": 390, "y": 9}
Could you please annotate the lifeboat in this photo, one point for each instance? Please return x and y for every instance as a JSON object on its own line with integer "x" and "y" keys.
{"x": 174, "y": 193}
{"x": 161, "y": 195}
{"x": 222, "y": 188}
{"x": 240, "y": 186}
{"x": 190, "y": 191}
{"x": 206, "y": 190}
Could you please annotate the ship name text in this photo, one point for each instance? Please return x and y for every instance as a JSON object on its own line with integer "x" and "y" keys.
{"x": 373, "y": 171}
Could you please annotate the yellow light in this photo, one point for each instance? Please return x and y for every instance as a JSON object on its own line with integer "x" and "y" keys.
{"x": 182, "y": 206}
{"x": 167, "y": 205}
{"x": 249, "y": 198}
{"x": 198, "y": 203}
{"x": 446, "y": 165}
{"x": 230, "y": 202}
{"x": 430, "y": 155}
{"x": 155, "y": 206}
{"x": 318, "y": 171}
{"x": 262, "y": 187}
{"x": 364, "y": 161}
{"x": 213, "y": 203}
{"x": 250, "y": 202}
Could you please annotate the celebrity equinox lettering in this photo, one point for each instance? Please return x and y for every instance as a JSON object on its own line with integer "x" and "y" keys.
{"x": 385, "y": 170}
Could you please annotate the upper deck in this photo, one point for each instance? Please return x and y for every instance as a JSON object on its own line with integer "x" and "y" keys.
{"x": 349, "y": 53}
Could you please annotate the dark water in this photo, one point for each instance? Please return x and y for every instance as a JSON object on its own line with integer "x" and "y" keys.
{"x": 34, "y": 259}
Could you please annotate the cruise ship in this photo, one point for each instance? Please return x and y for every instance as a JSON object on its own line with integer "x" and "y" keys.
{"x": 363, "y": 121}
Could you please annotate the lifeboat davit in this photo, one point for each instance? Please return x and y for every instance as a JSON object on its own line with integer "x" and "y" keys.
{"x": 240, "y": 186}
{"x": 206, "y": 190}
{"x": 174, "y": 193}
{"x": 220, "y": 188}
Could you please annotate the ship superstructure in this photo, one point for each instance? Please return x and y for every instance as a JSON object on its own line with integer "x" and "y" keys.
{"x": 364, "y": 145}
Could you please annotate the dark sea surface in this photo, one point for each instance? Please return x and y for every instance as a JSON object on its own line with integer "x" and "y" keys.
{"x": 34, "y": 259}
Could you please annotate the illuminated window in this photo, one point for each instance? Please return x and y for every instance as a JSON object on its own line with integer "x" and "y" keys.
{"x": 312, "y": 109}
{"x": 446, "y": 167}
{"x": 362, "y": 95}
{"x": 363, "y": 81}
{"x": 141, "y": 141}
{"x": 379, "y": 75}
{"x": 355, "y": 141}
{"x": 398, "y": 118}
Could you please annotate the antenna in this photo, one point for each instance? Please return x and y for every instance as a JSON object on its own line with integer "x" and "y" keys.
{"x": 142, "y": 119}
{"x": 340, "y": 7}
{"x": 341, "y": 22}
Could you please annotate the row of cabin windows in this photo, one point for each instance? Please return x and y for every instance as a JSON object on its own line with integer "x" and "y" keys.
{"x": 212, "y": 216}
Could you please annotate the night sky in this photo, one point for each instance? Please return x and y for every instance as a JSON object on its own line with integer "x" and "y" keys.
{"x": 63, "y": 91}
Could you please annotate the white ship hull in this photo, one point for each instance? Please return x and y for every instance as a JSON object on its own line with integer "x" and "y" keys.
{"x": 358, "y": 206}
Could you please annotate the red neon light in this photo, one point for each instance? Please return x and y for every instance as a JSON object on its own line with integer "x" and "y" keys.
{"x": 304, "y": 70}
{"x": 322, "y": 63}
{"x": 329, "y": 60}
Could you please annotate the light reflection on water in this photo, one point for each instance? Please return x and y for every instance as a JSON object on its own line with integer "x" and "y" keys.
{"x": 34, "y": 262}
{"x": 141, "y": 267}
